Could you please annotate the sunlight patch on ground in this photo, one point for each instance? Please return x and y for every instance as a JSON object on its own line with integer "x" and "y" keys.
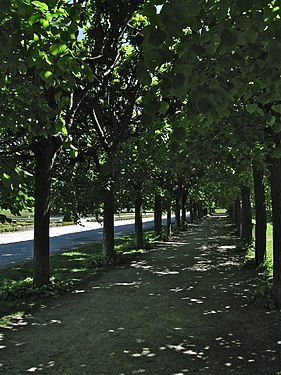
{"x": 79, "y": 291}
{"x": 166, "y": 272}
{"x": 174, "y": 244}
{"x": 146, "y": 352}
{"x": 141, "y": 264}
{"x": 185, "y": 349}
{"x": 194, "y": 300}
{"x": 133, "y": 283}
{"x": 41, "y": 367}
{"x": 177, "y": 289}
{"x": 200, "y": 267}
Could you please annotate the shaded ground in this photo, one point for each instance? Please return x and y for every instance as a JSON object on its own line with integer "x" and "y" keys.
{"x": 183, "y": 308}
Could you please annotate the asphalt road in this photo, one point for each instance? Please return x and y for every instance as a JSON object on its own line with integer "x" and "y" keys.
{"x": 16, "y": 247}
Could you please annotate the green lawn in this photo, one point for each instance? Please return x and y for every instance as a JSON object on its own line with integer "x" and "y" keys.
{"x": 269, "y": 249}
{"x": 269, "y": 241}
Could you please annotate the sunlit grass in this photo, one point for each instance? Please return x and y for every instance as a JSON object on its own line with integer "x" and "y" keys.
{"x": 269, "y": 250}
{"x": 269, "y": 241}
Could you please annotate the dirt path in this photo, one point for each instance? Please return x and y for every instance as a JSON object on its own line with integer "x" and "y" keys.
{"x": 181, "y": 309}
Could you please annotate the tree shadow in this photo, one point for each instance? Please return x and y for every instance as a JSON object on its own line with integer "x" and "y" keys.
{"x": 182, "y": 308}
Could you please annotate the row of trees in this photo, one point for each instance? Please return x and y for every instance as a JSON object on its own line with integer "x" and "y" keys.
{"x": 169, "y": 102}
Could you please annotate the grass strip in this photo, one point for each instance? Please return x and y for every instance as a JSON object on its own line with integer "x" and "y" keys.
{"x": 69, "y": 269}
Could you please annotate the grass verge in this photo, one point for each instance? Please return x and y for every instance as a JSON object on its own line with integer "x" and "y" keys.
{"x": 69, "y": 269}
{"x": 262, "y": 296}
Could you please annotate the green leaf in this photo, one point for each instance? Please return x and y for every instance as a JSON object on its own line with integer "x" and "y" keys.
{"x": 245, "y": 5}
{"x": 270, "y": 121}
{"x": 147, "y": 119}
{"x": 153, "y": 59}
{"x": 179, "y": 134}
{"x": 42, "y": 6}
{"x": 252, "y": 108}
{"x": 73, "y": 152}
{"x": 36, "y": 37}
{"x": 5, "y": 43}
{"x": 34, "y": 18}
{"x": 276, "y": 108}
{"x": 204, "y": 105}
{"x": 178, "y": 81}
{"x": 5, "y": 6}
{"x": 60, "y": 126}
{"x": 156, "y": 37}
{"x": 193, "y": 23}
{"x": 152, "y": 106}
{"x": 164, "y": 107}
{"x": 58, "y": 49}
{"x": 44, "y": 23}
{"x": 277, "y": 152}
{"x": 143, "y": 74}
{"x": 174, "y": 146}
{"x": 228, "y": 37}
{"x": 149, "y": 9}
{"x": 274, "y": 53}
{"x": 22, "y": 67}
{"x": 277, "y": 128}
{"x": 199, "y": 50}
{"x": 46, "y": 75}
{"x": 6, "y": 176}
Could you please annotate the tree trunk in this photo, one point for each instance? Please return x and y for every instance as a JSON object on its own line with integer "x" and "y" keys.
{"x": 231, "y": 212}
{"x": 45, "y": 153}
{"x": 138, "y": 216}
{"x": 260, "y": 228}
{"x": 183, "y": 208}
{"x": 275, "y": 181}
{"x": 169, "y": 221}
{"x": 196, "y": 212}
{"x": 108, "y": 224}
{"x": 191, "y": 211}
{"x": 246, "y": 215}
{"x": 157, "y": 215}
{"x": 237, "y": 216}
{"x": 178, "y": 211}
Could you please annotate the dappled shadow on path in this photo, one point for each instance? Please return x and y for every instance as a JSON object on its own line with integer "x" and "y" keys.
{"x": 183, "y": 308}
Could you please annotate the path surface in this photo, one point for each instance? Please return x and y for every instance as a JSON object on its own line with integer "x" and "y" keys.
{"x": 183, "y": 308}
{"x": 16, "y": 247}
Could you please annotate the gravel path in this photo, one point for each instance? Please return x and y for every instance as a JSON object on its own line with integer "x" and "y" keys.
{"x": 183, "y": 308}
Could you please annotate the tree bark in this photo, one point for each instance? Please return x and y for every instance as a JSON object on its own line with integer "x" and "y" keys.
{"x": 178, "y": 211}
{"x": 157, "y": 215}
{"x": 108, "y": 224}
{"x": 260, "y": 207}
{"x": 231, "y": 213}
{"x": 237, "y": 216}
{"x": 246, "y": 215}
{"x": 45, "y": 152}
{"x": 138, "y": 216}
{"x": 169, "y": 221}
{"x": 196, "y": 212}
{"x": 191, "y": 211}
{"x": 183, "y": 208}
{"x": 275, "y": 182}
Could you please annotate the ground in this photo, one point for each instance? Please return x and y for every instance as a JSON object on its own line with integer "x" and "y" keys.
{"x": 182, "y": 308}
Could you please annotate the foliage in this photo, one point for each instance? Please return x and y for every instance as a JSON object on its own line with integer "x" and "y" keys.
{"x": 263, "y": 297}
{"x": 12, "y": 290}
